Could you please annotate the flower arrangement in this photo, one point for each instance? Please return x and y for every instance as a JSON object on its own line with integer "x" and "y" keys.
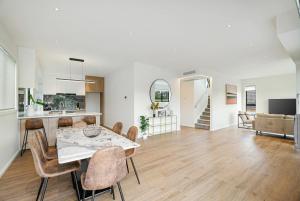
{"x": 154, "y": 106}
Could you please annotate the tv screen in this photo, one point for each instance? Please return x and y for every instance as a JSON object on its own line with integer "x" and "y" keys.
{"x": 282, "y": 106}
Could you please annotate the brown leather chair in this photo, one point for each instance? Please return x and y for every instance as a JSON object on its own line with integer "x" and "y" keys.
{"x": 49, "y": 153}
{"x": 117, "y": 128}
{"x": 90, "y": 120}
{"x": 131, "y": 135}
{"x": 31, "y": 125}
{"x": 65, "y": 122}
{"x": 106, "y": 168}
{"x": 47, "y": 169}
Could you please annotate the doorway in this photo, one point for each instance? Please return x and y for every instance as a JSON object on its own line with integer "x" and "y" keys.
{"x": 250, "y": 92}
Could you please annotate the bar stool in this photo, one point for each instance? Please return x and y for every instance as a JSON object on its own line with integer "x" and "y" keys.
{"x": 30, "y": 125}
{"x": 90, "y": 120}
{"x": 65, "y": 122}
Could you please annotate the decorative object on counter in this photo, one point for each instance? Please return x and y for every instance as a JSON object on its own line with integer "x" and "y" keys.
{"x": 160, "y": 92}
{"x": 35, "y": 106}
{"x": 70, "y": 76}
{"x": 154, "y": 107}
{"x": 161, "y": 113}
{"x": 92, "y": 131}
{"x": 144, "y": 124}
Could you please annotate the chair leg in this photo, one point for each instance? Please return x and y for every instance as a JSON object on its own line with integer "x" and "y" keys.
{"x": 93, "y": 195}
{"x": 40, "y": 188}
{"x": 121, "y": 192}
{"x": 24, "y": 142}
{"x": 127, "y": 166}
{"x": 44, "y": 188}
{"x": 75, "y": 182}
{"x": 113, "y": 192}
{"x": 136, "y": 174}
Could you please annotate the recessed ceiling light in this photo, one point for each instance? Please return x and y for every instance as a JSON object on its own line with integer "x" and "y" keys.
{"x": 228, "y": 25}
{"x": 57, "y": 9}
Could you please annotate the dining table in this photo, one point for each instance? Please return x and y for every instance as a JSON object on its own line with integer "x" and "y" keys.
{"x": 73, "y": 145}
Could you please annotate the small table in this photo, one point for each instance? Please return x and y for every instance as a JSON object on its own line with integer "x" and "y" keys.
{"x": 73, "y": 145}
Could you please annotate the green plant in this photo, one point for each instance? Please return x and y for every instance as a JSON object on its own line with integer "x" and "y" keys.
{"x": 144, "y": 123}
{"x": 37, "y": 101}
{"x": 154, "y": 106}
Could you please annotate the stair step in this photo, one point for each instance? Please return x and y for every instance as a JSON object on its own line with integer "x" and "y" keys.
{"x": 205, "y": 117}
{"x": 207, "y": 109}
{"x": 206, "y": 113}
{"x": 203, "y": 121}
{"x": 202, "y": 126}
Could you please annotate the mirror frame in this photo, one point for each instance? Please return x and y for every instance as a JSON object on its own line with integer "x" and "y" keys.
{"x": 170, "y": 96}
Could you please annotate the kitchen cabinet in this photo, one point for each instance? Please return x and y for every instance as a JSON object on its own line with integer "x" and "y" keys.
{"x": 96, "y": 87}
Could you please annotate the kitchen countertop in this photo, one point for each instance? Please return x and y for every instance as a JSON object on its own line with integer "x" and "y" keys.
{"x": 56, "y": 115}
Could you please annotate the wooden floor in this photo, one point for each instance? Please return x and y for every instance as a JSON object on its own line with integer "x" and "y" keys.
{"x": 228, "y": 165}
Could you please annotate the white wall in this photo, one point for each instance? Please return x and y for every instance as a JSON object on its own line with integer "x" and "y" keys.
{"x": 119, "y": 84}
{"x": 9, "y": 135}
{"x": 282, "y": 86}
{"x": 223, "y": 115}
{"x": 187, "y": 103}
{"x": 144, "y": 75}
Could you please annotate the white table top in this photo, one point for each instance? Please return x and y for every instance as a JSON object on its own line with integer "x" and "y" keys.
{"x": 56, "y": 115}
{"x": 73, "y": 145}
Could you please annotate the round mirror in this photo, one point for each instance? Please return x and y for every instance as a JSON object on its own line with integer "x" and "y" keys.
{"x": 160, "y": 92}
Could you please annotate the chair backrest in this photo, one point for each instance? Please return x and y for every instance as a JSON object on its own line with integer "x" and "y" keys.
{"x": 80, "y": 124}
{"x": 90, "y": 120}
{"x": 42, "y": 142}
{"x": 106, "y": 168}
{"x": 38, "y": 159}
{"x": 32, "y": 124}
{"x": 65, "y": 122}
{"x": 117, "y": 128}
{"x": 132, "y": 133}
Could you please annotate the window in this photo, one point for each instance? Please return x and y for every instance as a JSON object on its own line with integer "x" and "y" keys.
{"x": 7, "y": 81}
{"x": 250, "y": 98}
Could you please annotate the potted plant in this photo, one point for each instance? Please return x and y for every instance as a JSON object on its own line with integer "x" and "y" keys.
{"x": 37, "y": 104}
{"x": 154, "y": 107}
{"x": 144, "y": 124}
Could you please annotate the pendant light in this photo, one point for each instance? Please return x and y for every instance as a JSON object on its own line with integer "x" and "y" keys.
{"x": 82, "y": 69}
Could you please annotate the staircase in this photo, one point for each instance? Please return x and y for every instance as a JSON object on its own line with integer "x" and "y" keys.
{"x": 204, "y": 121}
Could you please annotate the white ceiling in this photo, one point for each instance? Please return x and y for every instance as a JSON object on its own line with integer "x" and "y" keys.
{"x": 236, "y": 37}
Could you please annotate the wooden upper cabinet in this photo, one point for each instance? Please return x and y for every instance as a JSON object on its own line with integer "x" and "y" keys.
{"x": 96, "y": 87}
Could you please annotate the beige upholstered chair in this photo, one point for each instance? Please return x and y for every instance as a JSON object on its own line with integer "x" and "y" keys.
{"x": 90, "y": 120}
{"x": 79, "y": 124}
{"x": 106, "y": 168}
{"x": 131, "y": 135}
{"x": 47, "y": 169}
{"x": 65, "y": 122}
{"x": 32, "y": 124}
{"x": 117, "y": 128}
{"x": 49, "y": 153}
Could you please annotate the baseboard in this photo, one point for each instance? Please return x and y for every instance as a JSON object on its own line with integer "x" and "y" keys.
{"x": 227, "y": 126}
{"x": 3, "y": 170}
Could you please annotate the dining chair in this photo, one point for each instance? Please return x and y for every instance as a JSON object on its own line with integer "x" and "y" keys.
{"x": 79, "y": 124}
{"x": 65, "y": 122}
{"x": 117, "y": 128}
{"x": 48, "y": 152}
{"x": 106, "y": 168}
{"x": 31, "y": 125}
{"x": 90, "y": 120}
{"x": 50, "y": 168}
{"x": 131, "y": 135}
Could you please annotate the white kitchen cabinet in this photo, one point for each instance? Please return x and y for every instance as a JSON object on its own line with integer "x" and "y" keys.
{"x": 27, "y": 67}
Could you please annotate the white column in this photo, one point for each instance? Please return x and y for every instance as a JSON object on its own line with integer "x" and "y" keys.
{"x": 297, "y": 122}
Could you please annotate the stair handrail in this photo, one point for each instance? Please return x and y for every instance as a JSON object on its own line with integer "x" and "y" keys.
{"x": 200, "y": 105}
{"x": 201, "y": 98}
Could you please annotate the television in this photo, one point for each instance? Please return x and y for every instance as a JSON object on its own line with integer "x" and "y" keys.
{"x": 282, "y": 106}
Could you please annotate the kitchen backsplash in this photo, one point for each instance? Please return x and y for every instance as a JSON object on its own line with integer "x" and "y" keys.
{"x": 64, "y": 102}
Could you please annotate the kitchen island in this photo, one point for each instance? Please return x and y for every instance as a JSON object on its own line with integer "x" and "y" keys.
{"x": 50, "y": 120}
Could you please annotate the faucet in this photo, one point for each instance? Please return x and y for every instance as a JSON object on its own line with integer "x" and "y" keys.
{"x": 62, "y": 106}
